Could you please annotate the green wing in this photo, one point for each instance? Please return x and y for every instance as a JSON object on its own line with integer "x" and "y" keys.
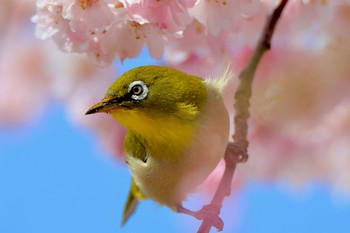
{"x": 135, "y": 146}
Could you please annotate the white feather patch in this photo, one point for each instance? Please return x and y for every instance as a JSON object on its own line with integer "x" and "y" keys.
{"x": 221, "y": 81}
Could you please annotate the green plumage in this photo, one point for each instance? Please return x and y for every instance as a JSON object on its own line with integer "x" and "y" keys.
{"x": 178, "y": 128}
{"x": 167, "y": 88}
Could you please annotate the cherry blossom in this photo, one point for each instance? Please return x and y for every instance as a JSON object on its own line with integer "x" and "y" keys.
{"x": 28, "y": 85}
{"x": 171, "y": 15}
{"x": 299, "y": 126}
{"x": 223, "y": 14}
{"x": 100, "y": 29}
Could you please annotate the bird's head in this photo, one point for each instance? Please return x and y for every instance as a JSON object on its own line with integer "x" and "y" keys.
{"x": 153, "y": 97}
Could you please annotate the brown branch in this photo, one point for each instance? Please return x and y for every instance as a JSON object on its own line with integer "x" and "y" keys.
{"x": 238, "y": 150}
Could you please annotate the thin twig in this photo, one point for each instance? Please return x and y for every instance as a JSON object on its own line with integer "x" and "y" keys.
{"x": 238, "y": 150}
{"x": 246, "y": 77}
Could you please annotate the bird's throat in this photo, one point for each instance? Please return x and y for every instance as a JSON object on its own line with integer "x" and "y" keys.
{"x": 159, "y": 131}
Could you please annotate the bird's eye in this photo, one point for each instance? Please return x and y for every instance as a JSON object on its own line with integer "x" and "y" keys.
{"x": 138, "y": 90}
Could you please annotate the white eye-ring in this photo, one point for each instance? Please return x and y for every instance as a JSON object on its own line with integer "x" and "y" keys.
{"x": 138, "y": 90}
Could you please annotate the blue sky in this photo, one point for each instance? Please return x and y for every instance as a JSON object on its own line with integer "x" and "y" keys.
{"x": 54, "y": 178}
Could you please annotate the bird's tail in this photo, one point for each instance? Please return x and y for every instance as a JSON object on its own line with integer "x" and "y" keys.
{"x": 135, "y": 195}
{"x": 130, "y": 207}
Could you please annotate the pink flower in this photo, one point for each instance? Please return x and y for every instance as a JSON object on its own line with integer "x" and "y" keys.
{"x": 88, "y": 16}
{"x": 75, "y": 26}
{"x": 169, "y": 15}
{"x": 196, "y": 49}
{"x": 222, "y": 15}
{"x": 99, "y": 29}
{"x": 51, "y": 24}
{"x": 127, "y": 38}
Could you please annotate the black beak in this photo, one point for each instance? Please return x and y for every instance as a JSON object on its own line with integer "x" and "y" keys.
{"x": 105, "y": 105}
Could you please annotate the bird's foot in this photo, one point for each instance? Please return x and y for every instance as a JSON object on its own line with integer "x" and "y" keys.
{"x": 209, "y": 213}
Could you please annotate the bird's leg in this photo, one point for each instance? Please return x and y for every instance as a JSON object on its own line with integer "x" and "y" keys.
{"x": 208, "y": 212}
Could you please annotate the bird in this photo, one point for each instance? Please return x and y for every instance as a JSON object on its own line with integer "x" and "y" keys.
{"x": 177, "y": 131}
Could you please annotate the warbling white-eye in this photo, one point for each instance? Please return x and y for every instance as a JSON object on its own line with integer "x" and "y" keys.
{"x": 178, "y": 129}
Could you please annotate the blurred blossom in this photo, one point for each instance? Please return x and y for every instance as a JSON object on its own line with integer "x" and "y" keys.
{"x": 172, "y": 16}
{"x": 23, "y": 84}
{"x": 223, "y": 14}
{"x": 33, "y": 74}
{"x": 299, "y": 114}
{"x": 80, "y": 84}
{"x": 196, "y": 48}
{"x": 300, "y": 124}
{"x": 299, "y": 129}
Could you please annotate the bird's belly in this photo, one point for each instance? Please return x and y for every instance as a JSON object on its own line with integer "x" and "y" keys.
{"x": 169, "y": 181}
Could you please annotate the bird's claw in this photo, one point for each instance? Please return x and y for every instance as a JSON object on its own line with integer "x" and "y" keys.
{"x": 210, "y": 213}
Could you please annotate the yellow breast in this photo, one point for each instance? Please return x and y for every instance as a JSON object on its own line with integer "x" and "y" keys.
{"x": 162, "y": 132}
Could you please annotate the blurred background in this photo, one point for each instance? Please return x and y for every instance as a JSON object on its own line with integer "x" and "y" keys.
{"x": 61, "y": 171}
{"x": 53, "y": 178}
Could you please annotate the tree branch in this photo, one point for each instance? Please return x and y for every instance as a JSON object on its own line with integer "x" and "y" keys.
{"x": 238, "y": 150}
